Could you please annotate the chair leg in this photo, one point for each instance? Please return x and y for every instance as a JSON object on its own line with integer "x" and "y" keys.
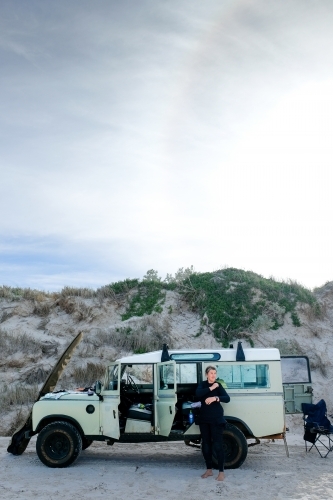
{"x": 285, "y": 444}
{"x": 328, "y": 446}
{"x": 313, "y": 445}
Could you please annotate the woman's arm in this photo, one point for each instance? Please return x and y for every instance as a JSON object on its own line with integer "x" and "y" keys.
{"x": 201, "y": 391}
{"x": 223, "y": 396}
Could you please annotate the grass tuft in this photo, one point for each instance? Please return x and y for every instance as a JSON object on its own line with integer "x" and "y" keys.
{"x": 147, "y": 335}
{"x": 17, "y": 395}
{"x": 23, "y": 342}
{"x": 84, "y": 376}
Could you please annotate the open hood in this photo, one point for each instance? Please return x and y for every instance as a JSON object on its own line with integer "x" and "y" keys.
{"x": 19, "y": 440}
{"x": 57, "y": 371}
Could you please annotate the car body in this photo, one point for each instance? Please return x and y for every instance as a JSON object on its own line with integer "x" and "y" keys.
{"x": 142, "y": 399}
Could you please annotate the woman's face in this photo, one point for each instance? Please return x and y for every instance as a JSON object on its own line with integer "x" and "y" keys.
{"x": 211, "y": 376}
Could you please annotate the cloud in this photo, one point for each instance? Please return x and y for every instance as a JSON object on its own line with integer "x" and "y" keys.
{"x": 160, "y": 135}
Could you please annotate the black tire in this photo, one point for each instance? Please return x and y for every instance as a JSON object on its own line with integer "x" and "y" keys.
{"x": 58, "y": 444}
{"x": 235, "y": 448}
{"x": 86, "y": 443}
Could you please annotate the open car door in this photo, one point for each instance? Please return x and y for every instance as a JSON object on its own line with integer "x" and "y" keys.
{"x": 109, "y": 413}
{"x": 21, "y": 436}
{"x": 165, "y": 397}
{"x": 296, "y": 379}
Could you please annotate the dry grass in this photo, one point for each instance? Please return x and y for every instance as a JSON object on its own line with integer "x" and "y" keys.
{"x": 77, "y": 308}
{"x": 146, "y": 335}
{"x": 83, "y": 312}
{"x": 86, "y": 350}
{"x": 42, "y": 308}
{"x": 50, "y": 348}
{"x": 67, "y": 304}
{"x": 17, "y": 395}
{"x": 12, "y": 294}
{"x": 88, "y": 374}
{"x": 35, "y": 376}
{"x": 23, "y": 342}
{"x": 85, "y": 293}
{"x": 316, "y": 331}
{"x": 15, "y": 293}
{"x": 105, "y": 292}
{"x": 6, "y": 315}
{"x": 20, "y": 416}
{"x": 42, "y": 324}
{"x": 289, "y": 347}
{"x": 15, "y": 363}
{"x": 317, "y": 363}
{"x": 311, "y": 313}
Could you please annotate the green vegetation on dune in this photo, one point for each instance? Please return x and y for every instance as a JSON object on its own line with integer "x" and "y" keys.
{"x": 233, "y": 302}
{"x": 149, "y": 296}
{"x": 148, "y": 299}
{"x": 236, "y": 301}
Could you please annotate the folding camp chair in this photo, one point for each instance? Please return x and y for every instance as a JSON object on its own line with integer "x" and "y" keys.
{"x": 317, "y": 428}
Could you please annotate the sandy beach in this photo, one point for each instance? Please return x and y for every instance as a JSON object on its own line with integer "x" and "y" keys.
{"x": 168, "y": 471}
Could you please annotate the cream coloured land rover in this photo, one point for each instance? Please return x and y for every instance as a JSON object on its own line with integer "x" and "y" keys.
{"x": 144, "y": 399}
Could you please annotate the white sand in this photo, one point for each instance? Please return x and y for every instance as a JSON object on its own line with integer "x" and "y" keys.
{"x": 167, "y": 471}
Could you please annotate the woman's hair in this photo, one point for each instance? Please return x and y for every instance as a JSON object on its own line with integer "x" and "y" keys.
{"x": 210, "y": 368}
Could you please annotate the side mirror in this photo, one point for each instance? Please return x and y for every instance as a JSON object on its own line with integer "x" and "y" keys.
{"x": 98, "y": 387}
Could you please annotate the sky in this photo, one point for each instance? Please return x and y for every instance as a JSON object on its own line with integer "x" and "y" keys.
{"x": 139, "y": 135}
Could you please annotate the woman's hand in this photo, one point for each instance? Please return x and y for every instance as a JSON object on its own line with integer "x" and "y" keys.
{"x": 214, "y": 386}
{"x": 210, "y": 400}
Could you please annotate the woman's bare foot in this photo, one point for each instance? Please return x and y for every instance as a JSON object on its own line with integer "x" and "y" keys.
{"x": 208, "y": 473}
{"x": 220, "y": 477}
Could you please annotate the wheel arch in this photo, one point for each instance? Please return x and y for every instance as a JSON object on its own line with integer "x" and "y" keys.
{"x": 237, "y": 422}
{"x": 57, "y": 418}
{"x": 241, "y": 425}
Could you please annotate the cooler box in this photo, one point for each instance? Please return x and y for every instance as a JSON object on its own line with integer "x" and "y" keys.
{"x": 186, "y": 407}
{"x": 138, "y": 413}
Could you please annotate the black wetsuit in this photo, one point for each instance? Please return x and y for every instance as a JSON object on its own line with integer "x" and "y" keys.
{"x": 212, "y": 422}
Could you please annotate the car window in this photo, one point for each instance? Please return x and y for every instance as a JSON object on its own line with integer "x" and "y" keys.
{"x": 249, "y": 376}
{"x": 295, "y": 370}
{"x": 141, "y": 374}
{"x": 186, "y": 373}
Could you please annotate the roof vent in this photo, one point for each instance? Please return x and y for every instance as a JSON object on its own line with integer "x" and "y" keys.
{"x": 165, "y": 353}
{"x": 240, "y": 356}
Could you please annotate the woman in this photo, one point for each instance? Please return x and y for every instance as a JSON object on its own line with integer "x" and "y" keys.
{"x": 212, "y": 421}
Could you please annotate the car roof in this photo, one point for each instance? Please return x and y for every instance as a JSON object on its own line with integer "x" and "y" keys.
{"x": 254, "y": 354}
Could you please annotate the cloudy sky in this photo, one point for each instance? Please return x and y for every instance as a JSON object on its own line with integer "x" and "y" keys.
{"x": 143, "y": 134}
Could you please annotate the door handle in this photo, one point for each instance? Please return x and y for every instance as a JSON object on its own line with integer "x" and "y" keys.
{"x": 114, "y": 413}
{"x": 170, "y": 408}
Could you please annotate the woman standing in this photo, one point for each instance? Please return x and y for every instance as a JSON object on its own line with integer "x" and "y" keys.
{"x": 212, "y": 421}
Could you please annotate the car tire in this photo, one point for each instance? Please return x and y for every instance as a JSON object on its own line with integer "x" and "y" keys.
{"x": 58, "y": 444}
{"x": 235, "y": 448}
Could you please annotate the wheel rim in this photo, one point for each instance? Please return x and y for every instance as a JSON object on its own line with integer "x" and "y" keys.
{"x": 57, "y": 446}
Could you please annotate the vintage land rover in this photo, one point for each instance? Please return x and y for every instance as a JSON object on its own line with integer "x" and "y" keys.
{"x": 143, "y": 399}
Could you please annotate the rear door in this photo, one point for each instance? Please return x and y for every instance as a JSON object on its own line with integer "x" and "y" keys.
{"x": 109, "y": 413}
{"x": 165, "y": 397}
{"x": 296, "y": 379}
